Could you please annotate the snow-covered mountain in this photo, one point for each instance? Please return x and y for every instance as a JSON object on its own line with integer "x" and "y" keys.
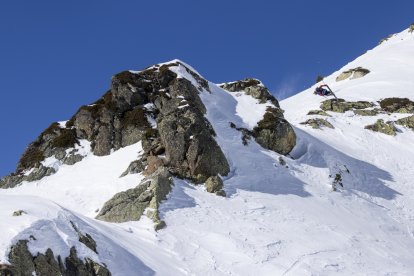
{"x": 171, "y": 174}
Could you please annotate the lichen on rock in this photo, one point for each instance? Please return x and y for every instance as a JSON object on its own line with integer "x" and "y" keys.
{"x": 274, "y": 132}
{"x": 318, "y": 112}
{"x": 407, "y": 122}
{"x": 383, "y": 127}
{"x": 317, "y": 123}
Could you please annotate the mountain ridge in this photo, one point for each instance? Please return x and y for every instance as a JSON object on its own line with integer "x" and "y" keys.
{"x": 279, "y": 213}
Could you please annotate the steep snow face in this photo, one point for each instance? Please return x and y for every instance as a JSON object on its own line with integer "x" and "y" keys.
{"x": 85, "y": 186}
{"x": 280, "y": 216}
{"x": 381, "y": 172}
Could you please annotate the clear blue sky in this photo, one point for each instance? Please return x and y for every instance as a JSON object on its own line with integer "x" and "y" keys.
{"x": 58, "y": 55}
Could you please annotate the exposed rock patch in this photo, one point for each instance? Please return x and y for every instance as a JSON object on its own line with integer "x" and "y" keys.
{"x": 18, "y": 213}
{"x": 274, "y": 132}
{"x": 317, "y": 123}
{"x": 397, "y": 105}
{"x": 354, "y": 73}
{"x": 131, "y": 204}
{"x": 318, "y": 112}
{"x": 252, "y": 87}
{"x": 246, "y": 134}
{"x": 134, "y": 167}
{"x": 369, "y": 112}
{"x": 407, "y": 122}
{"x": 383, "y": 127}
{"x": 341, "y": 106}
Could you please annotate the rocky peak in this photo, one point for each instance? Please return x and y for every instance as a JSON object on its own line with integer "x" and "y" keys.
{"x": 161, "y": 107}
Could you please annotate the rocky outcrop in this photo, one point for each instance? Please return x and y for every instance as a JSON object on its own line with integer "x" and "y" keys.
{"x": 341, "y": 106}
{"x": 274, "y": 132}
{"x": 354, "y": 73}
{"x": 317, "y": 123}
{"x": 131, "y": 204}
{"x": 252, "y": 87}
{"x": 24, "y": 263}
{"x": 407, "y": 122}
{"x": 383, "y": 127}
{"x": 121, "y": 118}
{"x": 318, "y": 112}
{"x": 368, "y": 112}
{"x": 190, "y": 147}
{"x": 36, "y": 173}
{"x": 397, "y": 105}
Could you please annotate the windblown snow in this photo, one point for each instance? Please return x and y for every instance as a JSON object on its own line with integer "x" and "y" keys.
{"x": 277, "y": 219}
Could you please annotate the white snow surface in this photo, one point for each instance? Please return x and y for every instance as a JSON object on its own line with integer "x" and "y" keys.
{"x": 276, "y": 219}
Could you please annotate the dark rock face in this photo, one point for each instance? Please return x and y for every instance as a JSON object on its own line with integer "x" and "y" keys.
{"x": 274, "y": 132}
{"x": 23, "y": 263}
{"x": 120, "y": 118}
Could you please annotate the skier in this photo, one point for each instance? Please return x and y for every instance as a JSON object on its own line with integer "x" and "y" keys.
{"x": 324, "y": 90}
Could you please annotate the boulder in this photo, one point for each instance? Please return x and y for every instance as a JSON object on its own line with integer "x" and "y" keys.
{"x": 274, "y": 132}
{"x": 213, "y": 184}
{"x": 335, "y": 105}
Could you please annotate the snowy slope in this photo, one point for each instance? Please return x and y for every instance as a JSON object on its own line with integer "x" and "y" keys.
{"x": 276, "y": 219}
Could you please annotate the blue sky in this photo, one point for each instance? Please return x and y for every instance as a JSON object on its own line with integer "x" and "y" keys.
{"x": 58, "y": 55}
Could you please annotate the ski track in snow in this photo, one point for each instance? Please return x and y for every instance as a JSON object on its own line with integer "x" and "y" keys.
{"x": 275, "y": 220}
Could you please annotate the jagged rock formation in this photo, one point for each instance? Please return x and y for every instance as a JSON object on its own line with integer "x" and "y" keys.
{"x": 24, "y": 263}
{"x": 164, "y": 111}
